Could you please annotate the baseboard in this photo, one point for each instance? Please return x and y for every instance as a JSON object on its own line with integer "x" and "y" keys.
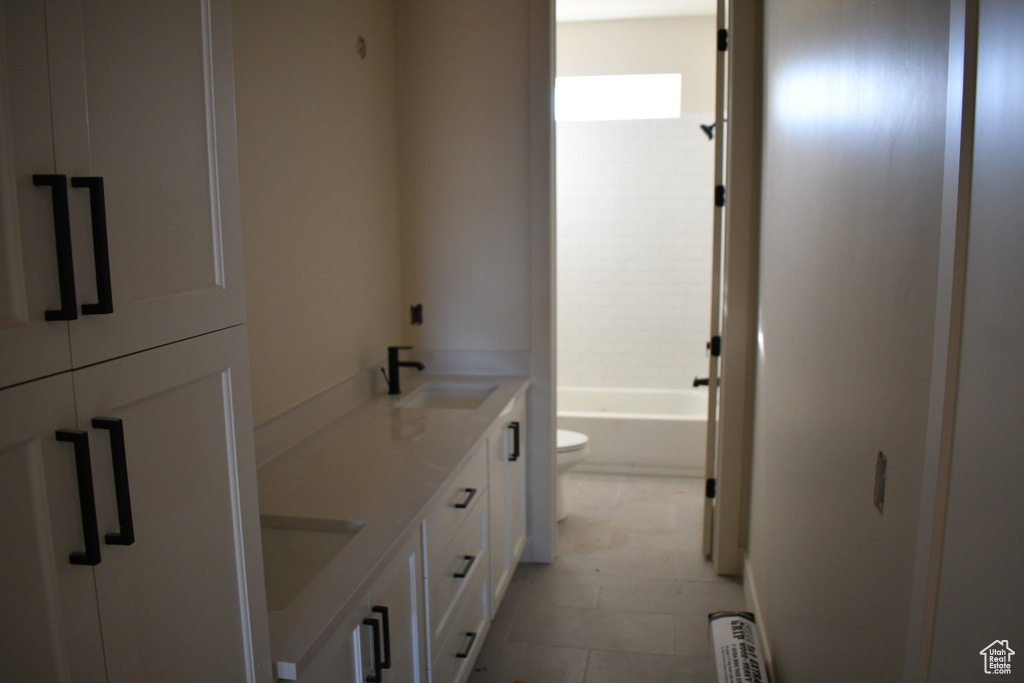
{"x": 648, "y": 470}
{"x": 294, "y": 424}
{"x": 753, "y": 605}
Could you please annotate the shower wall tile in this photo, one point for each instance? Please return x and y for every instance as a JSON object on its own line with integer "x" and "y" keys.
{"x": 635, "y": 211}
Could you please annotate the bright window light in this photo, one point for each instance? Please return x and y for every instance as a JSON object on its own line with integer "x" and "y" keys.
{"x": 612, "y": 98}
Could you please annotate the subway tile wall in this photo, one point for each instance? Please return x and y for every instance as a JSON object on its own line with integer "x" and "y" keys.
{"x": 635, "y": 210}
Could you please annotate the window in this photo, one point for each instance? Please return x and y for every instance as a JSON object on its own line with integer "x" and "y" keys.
{"x": 611, "y": 98}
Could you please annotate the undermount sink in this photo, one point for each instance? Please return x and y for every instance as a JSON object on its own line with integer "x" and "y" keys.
{"x": 296, "y": 549}
{"x": 448, "y": 395}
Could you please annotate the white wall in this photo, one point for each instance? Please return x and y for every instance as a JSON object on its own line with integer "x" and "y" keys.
{"x": 318, "y": 166}
{"x": 635, "y": 213}
{"x": 852, "y": 176}
{"x": 634, "y": 251}
{"x": 684, "y": 45}
{"x": 420, "y": 175}
{"x": 475, "y": 136}
{"x": 465, "y": 194}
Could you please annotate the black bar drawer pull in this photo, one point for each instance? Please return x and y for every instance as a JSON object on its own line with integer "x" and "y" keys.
{"x": 465, "y": 504}
{"x": 469, "y": 646}
{"x": 86, "y": 496}
{"x": 375, "y": 675}
{"x": 470, "y": 559}
{"x": 514, "y": 455}
{"x": 383, "y": 612}
{"x": 62, "y": 234}
{"x": 101, "y": 255}
{"x": 126, "y": 536}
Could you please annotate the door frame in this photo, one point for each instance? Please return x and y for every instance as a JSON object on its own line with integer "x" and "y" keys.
{"x": 731, "y": 459}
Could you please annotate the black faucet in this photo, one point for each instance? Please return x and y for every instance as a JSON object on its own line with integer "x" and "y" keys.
{"x": 394, "y": 387}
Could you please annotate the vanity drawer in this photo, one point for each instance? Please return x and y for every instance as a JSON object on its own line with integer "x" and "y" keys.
{"x": 464, "y": 636}
{"x": 458, "y": 567}
{"x": 455, "y": 505}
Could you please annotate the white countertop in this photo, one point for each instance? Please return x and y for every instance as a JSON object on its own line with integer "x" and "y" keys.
{"x": 379, "y": 464}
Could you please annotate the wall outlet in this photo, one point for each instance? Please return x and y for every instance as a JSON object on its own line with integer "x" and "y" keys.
{"x": 416, "y": 312}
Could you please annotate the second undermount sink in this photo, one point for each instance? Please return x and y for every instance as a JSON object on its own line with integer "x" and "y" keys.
{"x": 295, "y": 550}
{"x": 448, "y": 395}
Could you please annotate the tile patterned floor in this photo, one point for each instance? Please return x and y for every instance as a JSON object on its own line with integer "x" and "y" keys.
{"x": 627, "y": 597}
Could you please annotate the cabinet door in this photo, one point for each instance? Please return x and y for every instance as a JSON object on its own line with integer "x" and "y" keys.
{"x": 186, "y": 600}
{"x": 396, "y": 591}
{"x": 497, "y": 472}
{"x": 142, "y": 97}
{"x": 508, "y": 500}
{"x": 516, "y": 440}
{"x": 30, "y": 346}
{"x": 336, "y": 662}
{"x": 50, "y": 627}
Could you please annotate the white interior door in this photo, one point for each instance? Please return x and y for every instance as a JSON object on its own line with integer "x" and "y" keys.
{"x": 731, "y": 402}
{"x": 718, "y": 226}
{"x": 976, "y": 589}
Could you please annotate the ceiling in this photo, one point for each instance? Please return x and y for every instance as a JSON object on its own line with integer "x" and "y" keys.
{"x": 597, "y": 10}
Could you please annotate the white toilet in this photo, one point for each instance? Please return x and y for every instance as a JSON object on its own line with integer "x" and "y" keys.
{"x": 572, "y": 448}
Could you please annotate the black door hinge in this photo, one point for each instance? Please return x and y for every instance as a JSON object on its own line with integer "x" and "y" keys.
{"x": 720, "y": 195}
{"x": 709, "y": 488}
{"x": 723, "y": 40}
{"x": 715, "y": 346}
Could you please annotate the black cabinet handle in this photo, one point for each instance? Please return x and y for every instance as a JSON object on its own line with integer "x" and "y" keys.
{"x": 375, "y": 675}
{"x": 469, "y": 646}
{"x": 383, "y": 612}
{"x": 65, "y": 258}
{"x": 126, "y": 536}
{"x": 465, "y": 504}
{"x": 514, "y": 455}
{"x": 470, "y": 559}
{"x": 101, "y": 255}
{"x": 86, "y": 496}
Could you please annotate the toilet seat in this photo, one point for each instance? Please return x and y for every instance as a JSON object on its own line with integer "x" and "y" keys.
{"x": 567, "y": 440}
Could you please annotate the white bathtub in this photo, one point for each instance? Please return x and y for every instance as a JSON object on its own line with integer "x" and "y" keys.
{"x": 645, "y": 431}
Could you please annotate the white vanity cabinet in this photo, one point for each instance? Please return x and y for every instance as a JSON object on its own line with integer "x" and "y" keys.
{"x": 455, "y": 475}
{"x": 507, "y": 472}
{"x": 381, "y": 640}
{"x": 395, "y": 617}
{"x": 118, "y": 185}
{"x": 457, "y": 569}
{"x": 126, "y": 492}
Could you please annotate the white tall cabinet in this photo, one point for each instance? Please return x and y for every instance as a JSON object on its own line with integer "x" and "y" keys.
{"x": 121, "y": 311}
{"x": 185, "y": 598}
{"x": 139, "y": 96}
